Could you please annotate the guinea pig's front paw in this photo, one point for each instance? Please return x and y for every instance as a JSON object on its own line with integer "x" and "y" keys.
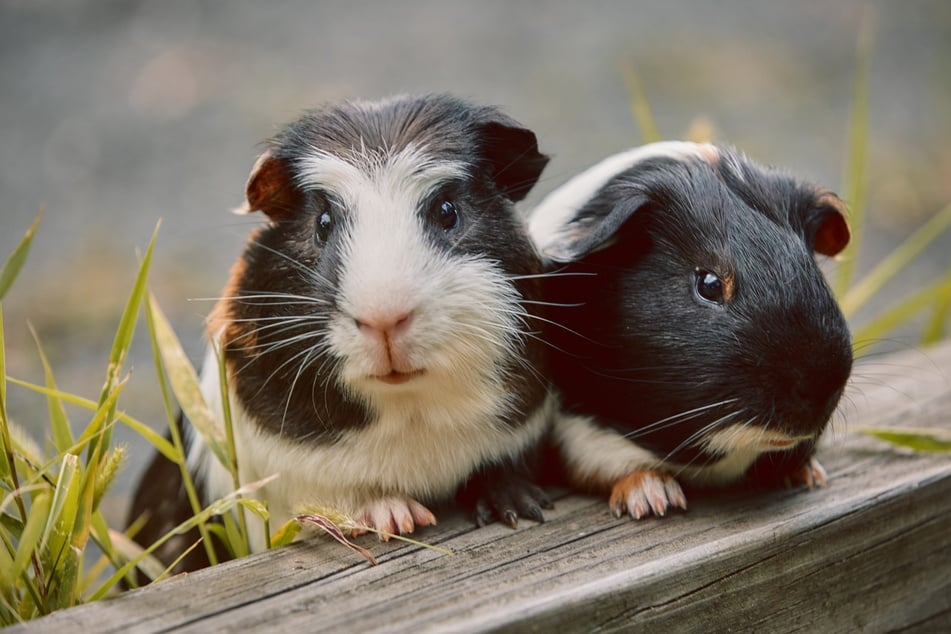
{"x": 810, "y": 474}
{"x": 640, "y": 493}
{"x": 392, "y": 516}
{"x": 509, "y": 500}
{"x": 503, "y": 492}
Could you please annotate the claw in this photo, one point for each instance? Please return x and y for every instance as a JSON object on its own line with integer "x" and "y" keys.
{"x": 507, "y": 498}
{"x": 811, "y": 474}
{"x": 393, "y": 516}
{"x": 642, "y": 493}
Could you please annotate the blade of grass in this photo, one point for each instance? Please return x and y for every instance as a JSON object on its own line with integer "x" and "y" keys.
{"x": 27, "y": 546}
{"x": 232, "y": 465}
{"x": 59, "y": 423}
{"x": 855, "y": 169}
{"x": 154, "y": 438}
{"x": 64, "y": 506}
{"x": 173, "y": 367}
{"x": 936, "y": 328}
{"x": 186, "y": 385}
{"x": 11, "y": 268}
{"x": 895, "y": 262}
{"x": 640, "y": 105}
{"x": 123, "y": 338}
{"x": 216, "y": 508}
{"x": 885, "y": 322}
{"x": 930, "y": 440}
{"x": 9, "y": 467}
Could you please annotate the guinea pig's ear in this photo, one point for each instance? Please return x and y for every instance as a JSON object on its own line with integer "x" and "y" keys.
{"x": 271, "y": 189}
{"x": 591, "y": 229}
{"x": 827, "y": 230}
{"x": 512, "y": 151}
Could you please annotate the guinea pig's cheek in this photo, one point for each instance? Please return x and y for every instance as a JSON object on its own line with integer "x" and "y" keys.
{"x": 749, "y": 438}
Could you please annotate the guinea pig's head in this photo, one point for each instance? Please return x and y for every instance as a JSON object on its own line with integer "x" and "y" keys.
{"x": 393, "y": 267}
{"x": 708, "y": 326}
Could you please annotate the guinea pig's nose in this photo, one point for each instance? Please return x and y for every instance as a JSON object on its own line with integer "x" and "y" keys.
{"x": 384, "y": 324}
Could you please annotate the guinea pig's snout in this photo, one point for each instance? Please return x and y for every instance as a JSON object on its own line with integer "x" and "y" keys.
{"x": 814, "y": 391}
{"x": 384, "y": 325}
{"x": 388, "y": 343}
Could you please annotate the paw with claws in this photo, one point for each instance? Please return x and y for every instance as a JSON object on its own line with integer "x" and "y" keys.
{"x": 517, "y": 498}
{"x": 642, "y": 493}
{"x": 504, "y": 493}
{"x": 392, "y": 515}
{"x": 811, "y": 474}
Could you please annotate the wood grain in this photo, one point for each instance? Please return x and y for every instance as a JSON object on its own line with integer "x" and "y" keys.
{"x": 871, "y": 552}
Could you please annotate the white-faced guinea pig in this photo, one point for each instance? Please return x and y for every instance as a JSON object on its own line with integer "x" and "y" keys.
{"x": 694, "y": 338}
{"x": 377, "y": 330}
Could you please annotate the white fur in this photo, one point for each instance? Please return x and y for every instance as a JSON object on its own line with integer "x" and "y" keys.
{"x": 425, "y": 457}
{"x": 601, "y": 454}
{"x": 430, "y": 433}
{"x": 559, "y": 207}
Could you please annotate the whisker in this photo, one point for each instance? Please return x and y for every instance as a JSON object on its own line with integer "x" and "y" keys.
{"x": 678, "y": 418}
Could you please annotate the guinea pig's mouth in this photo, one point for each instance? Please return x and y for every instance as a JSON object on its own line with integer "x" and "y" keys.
{"x": 398, "y": 378}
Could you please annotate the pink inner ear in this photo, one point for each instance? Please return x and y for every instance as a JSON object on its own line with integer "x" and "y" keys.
{"x": 832, "y": 235}
{"x": 271, "y": 188}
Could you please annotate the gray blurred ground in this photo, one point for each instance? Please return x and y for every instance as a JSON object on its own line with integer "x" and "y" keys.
{"x": 116, "y": 114}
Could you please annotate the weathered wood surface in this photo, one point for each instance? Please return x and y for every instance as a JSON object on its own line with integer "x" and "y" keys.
{"x": 871, "y": 552}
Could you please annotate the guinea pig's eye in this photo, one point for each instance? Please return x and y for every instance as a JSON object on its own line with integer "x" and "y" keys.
{"x": 325, "y": 223}
{"x": 709, "y": 286}
{"x": 445, "y": 215}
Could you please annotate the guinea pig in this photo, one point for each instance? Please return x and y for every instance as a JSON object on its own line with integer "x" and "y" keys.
{"x": 694, "y": 338}
{"x": 377, "y": 331}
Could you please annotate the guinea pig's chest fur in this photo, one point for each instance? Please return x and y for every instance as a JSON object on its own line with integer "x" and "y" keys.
{"x": 418, "y": 448}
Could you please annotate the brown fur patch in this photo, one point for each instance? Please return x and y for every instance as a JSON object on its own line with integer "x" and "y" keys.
{"x": 221, "y": 322}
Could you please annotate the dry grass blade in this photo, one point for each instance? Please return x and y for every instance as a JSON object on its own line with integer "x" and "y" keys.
{"x": 640, "y": 105}
{"x": 334, "y": 531}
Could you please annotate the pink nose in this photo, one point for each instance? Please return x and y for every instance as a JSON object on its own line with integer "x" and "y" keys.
{"x": 382, "y": 324}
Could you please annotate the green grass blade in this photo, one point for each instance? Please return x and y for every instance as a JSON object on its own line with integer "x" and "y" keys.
{"x": 64, "y": 506}
{"x": 186, "y": 385}
{"x": 6, "y": 451}
{"x": 936, "y": 328}
{"x": 124, "y": 333}
{"x": 855, "y": 169}
{"x": 218, "y": 507}
{"x": 59, "y": 422}
{"x": 640, "y": 105}
{"x": 186, "y": 373}
{"x": 65, "y": 592}
{"x": 887, "y": 321}
{"x": 927, "y": 440}
{"x": 31, "y": 536}
{"x": 156, "y": 439}
{"x": 895, "y": 262}
{"x": 11, "y": 268}
{"x": 232, "y": 466}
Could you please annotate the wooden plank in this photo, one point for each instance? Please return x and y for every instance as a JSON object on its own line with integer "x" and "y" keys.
{"x": 871, "y": 552}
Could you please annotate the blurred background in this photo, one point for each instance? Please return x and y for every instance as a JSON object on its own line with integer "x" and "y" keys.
{"x": 115, "y": 114}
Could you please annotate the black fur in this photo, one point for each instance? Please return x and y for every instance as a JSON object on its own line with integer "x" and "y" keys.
{"x": 645, "y": 347}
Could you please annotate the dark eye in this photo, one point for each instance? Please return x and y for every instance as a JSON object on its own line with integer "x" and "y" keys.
{"x": 445, "y": 215}
{"x": 325, "y": 223}
{"x": 709, "y": 286}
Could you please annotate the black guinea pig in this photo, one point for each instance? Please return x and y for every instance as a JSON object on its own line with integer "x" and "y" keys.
{"x": 694, "y": 336}
{"x": 377, "y": 329}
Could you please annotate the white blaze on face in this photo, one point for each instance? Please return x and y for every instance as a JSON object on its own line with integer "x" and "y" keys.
{"x": 406, "y": 306}
{"x": 559, "y": 207}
